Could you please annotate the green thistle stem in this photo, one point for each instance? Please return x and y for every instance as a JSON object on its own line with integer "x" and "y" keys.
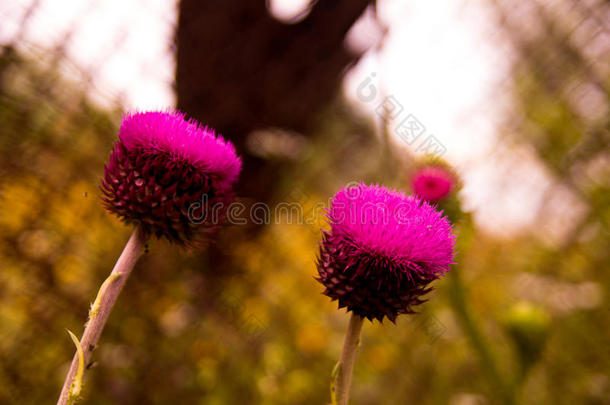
{"x": 98, "y": 315}
{"x": 478, "y": 342}
{"x": 341, "y": 379}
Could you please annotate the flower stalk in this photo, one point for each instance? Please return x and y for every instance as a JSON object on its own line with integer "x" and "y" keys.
{"x": 100, "y": 311}
{"x": 342, "y": 374}
{"x": 457, "y": 294}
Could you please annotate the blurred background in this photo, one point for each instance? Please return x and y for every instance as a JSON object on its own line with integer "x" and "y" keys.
{"x": 514, "y": 95}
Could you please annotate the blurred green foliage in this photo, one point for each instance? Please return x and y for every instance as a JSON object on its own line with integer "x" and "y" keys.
{"x": 184, "y": 332}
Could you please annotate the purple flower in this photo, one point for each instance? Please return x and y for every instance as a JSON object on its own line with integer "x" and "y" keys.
{"x": 382, "y": 251}
{"x": 432, "y": 183}
{"x": 161, "y": 167}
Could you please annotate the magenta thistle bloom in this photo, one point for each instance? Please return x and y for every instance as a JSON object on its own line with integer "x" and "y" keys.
{"x": 382, "y": 251}
{"x": 432, "y": 183}
{"x": 162, "y": 165}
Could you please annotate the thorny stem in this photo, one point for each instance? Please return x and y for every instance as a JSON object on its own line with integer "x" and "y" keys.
{"x": 342, "y": 374}
{"x": 100, "y": 310}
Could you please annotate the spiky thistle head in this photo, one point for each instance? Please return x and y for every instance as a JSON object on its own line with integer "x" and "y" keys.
{"x": 382, "y": 251}
{"x": 163, "y": 168}
{"x": 433, "y": 182}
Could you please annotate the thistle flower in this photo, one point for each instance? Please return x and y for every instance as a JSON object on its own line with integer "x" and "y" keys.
{"x": 160, "y": 166}
{"x": 432, "y": 183}
{"x": 382, "y": 251}
{"x": 378, "y": 258}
